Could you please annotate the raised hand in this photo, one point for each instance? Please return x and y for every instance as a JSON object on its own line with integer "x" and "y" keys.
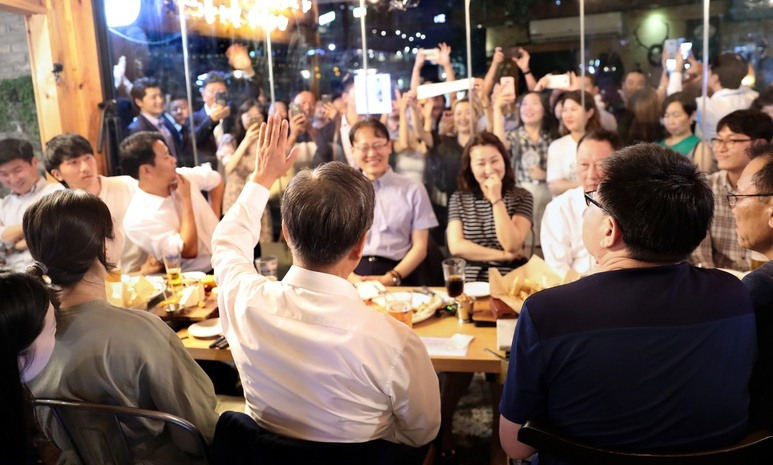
{"x": 271, "y": 162}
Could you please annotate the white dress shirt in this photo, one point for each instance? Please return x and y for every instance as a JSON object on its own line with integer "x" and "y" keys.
{"x": 562, "y": 159}
{"x": 561, "y": 233}
{"x": 117, "y": 193}
{"x": 720, "y": 104}
{"x": 316, "y": 362}
{"x": 153, "y": 222}
{"x": 12, "y": 210}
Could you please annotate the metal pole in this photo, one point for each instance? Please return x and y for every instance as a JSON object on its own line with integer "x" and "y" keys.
{"x": 467, "y": 27}
{"x": 705, "y": 85}
{"x": 270, "y": 66}
{"x": 582, "y": 53}
{"x": 188, "y": 86}
{"x": 364, "y": 54}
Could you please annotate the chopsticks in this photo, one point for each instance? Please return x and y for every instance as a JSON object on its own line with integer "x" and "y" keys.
{"x": 220, "y": 343}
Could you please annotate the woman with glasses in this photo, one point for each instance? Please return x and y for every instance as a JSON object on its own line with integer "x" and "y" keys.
{"x": 678, "y": 118}
{"x": 27, "y": 328}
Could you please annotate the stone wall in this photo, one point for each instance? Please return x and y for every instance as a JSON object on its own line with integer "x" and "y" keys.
{"x": 13, "y": 47}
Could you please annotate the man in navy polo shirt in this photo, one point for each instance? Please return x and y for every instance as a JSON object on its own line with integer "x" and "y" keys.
{"x": 650, "y": 353}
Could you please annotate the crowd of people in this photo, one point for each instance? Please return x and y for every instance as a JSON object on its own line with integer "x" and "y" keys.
{"x": 643, "y": 201}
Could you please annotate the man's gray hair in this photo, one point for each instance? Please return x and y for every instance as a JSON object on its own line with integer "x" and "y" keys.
{"x": 326, "y": 211}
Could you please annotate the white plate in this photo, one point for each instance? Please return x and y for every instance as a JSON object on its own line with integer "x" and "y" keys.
{"x": 194, "y": 275}
{"x": 737, "y": 274}
{"x": 206, "y": 328}
{"x": 477, "y": 289}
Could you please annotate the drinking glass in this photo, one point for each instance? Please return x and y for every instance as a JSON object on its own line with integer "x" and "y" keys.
{"x": 453, "y": 272}
{"x": 267, "y": 266}
{"x": 174, "y": 281}
{"x": 401, "y": 311}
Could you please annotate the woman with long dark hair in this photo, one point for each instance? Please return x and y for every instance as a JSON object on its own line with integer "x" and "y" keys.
{"x": 106, "y": 354}
{"x": 27, "y": 328}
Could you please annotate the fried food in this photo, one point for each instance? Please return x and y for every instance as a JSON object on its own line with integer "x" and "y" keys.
{"x": 523, "y": 288}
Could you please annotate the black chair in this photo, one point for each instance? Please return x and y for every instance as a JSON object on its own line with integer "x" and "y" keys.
{"x": 756, "y": 448}
{"x": 239, "y": 440}
{"x": 98, "y": 436}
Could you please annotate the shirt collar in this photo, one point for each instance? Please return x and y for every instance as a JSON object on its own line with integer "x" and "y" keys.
{"x": 316, "y": 281}
{"x": 384, "y": 178}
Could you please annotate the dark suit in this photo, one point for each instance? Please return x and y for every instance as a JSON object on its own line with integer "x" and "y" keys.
{"x": 205, "y": 138}
{"x": 140, "y": 123}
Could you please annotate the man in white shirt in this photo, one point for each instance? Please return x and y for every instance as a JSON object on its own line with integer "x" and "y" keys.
{"x": 316, "y": 362}
{"x": 727, "y": 94}
{"x": 69, "y": 158}
{"x": 168, "y": 215}
{"x": 19, "y": 173}
{"x": 561, "y": 234}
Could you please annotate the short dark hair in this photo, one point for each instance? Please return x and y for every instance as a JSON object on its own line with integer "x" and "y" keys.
{"x": 594, "y": 122}
{"x": 137, "y": 150}
{"x": 64, "y": 147}
{"x": 730, "y": 68}
{"x": 326, "y": 211}
{"x": 466, "y": 180}
{"x": 15, "y": 149}
{"x": 763, "y": 179}
{"x": 602, "y": 135}
{"x": 141, "y": 86}
{"x": 686, "y": 101}
{"x": 764, "y": 99}
{"x": 58, "y": 221}
{"x": 661, "y": 201}
{"x": 753, "y": 123}
{"x": 375, "y": 125}
{"x": 214, "y": 77}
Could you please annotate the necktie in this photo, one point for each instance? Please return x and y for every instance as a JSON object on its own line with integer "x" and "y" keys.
{"x": 167, "y": 138}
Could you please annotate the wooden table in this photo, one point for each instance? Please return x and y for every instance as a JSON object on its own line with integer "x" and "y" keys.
{"x": 477, "y": 358}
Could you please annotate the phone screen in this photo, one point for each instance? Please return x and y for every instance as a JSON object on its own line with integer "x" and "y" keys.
{"x": 685, "y": 48}
{"x": 670, "y": 64}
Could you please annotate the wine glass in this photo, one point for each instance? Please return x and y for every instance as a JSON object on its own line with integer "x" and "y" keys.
{"x": 453, "y": 273}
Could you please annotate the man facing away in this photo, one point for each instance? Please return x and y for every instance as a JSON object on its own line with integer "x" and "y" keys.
{"x": 19, "y": 173}
{"x": 316, "y": 363}
{"x": 737, "y": 133}
{"x": 69, "y": 158}
{"x": 561, "y": 232}
{"x": 650, "y": 353}
{"x": 168, "y": 215}
{"x": 752, "y": 205}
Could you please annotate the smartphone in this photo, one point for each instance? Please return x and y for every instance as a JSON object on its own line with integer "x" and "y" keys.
{"x": 294, "y": 109}
{"x": 669, "y": 48}
{"x": 512, "y": 52}
{"x": 254, "y": 120}
{"x": 558, "y": 81}
{"x": 431, "y": 54}
{"x": 685, "y": 48}
{"x": 507, "y": 85}
{"x": 221, "y": 98}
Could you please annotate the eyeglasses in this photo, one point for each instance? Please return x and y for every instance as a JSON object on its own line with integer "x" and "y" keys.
{"x": 729, "y": 143}
{"x": 732, "y": 199}
{"x": 590, "y": 200}
{"x": 367, "y": 148}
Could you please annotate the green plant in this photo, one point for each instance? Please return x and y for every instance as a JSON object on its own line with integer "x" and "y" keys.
{"x": 17, "y": 107}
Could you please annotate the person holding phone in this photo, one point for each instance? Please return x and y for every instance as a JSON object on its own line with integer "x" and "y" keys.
{"x": 208, "y": 120}
{"x": 315, "y": 144}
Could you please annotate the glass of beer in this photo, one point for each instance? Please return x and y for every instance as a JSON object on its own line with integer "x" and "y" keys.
{"x": 401, "y": 311}
{"x": 453, "y": 272}
{"x": 174, "y": 281}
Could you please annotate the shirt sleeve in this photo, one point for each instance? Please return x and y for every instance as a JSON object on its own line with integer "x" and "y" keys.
{"x": 153, "y": 236}
{"x": 524, "y": 396}
{"x": 556, "y": 248}
{"x": 556, "y": 162}
{"x": 416, "y": 403}
{"x": 423, "y": 215}
{"x": 455, "y": 207}
{"x": 203, "y": 176}
{"x": 520, "y": 202}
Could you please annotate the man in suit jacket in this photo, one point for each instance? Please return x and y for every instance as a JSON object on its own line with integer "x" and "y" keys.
{"x": 146, "y": 94}
{"x": 207, "y": 120}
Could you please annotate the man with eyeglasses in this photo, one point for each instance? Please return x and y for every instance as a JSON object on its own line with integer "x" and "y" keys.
{"x": 736, "y": 134}
{"x": 752, "y": 205}
{"x": 630, "y": 357}
{"x": 397, "y": 242}
{"x": 561, "y": 233}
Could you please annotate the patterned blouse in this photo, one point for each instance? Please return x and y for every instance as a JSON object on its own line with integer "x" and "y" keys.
{"x": 477, "y": 217}
{"x": 526, "y": 154}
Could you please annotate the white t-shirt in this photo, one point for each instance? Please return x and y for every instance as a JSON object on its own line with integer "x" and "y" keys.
{"x": 561, "y": 233}
{"x": 153, "y": 222}
{"x": 117, "y": 193}
{"x": 562, "y": 159}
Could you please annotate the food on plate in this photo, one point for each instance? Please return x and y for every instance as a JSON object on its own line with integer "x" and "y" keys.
{"x": 523, "y": 288}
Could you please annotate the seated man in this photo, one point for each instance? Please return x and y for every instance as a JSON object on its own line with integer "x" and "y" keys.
{"x": 19, "y": 173}
{"x": 168, "y": 215}
{"x": 561, "y": 232}
{"x": 630, "y": 357}
{"x": 736, "y": 134}
{"x": 316, "y": 363}
{"x": 397, "y": 242}
{"x": 69, "y": 158}
{"x": 752, "y": 206}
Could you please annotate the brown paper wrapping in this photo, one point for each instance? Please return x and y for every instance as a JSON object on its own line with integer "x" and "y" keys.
{"x": 504, "y": 306}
